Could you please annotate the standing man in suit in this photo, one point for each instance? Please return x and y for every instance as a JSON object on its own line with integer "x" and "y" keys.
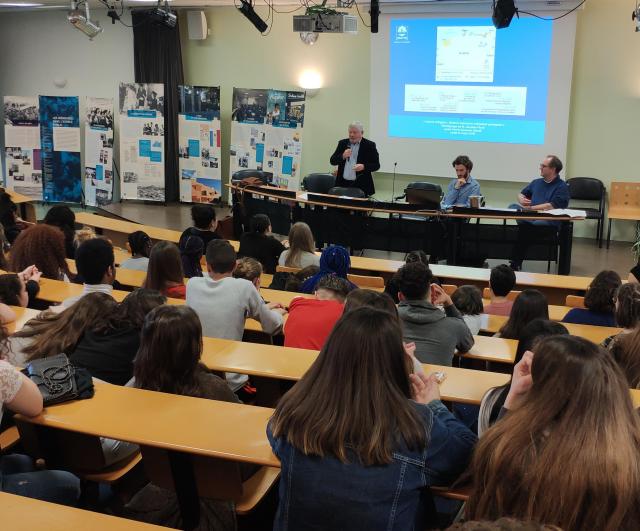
{"x": 356, "y": 158}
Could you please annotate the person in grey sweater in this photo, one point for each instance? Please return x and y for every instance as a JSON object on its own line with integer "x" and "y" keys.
{"x": 436, "y": 334}
{"x": 223, "y": 302}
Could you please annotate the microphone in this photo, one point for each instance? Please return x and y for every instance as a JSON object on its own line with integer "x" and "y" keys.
{"x": 393, "y": 185}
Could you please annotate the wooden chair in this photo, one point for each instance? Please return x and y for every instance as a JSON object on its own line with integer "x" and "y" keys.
{"x": 624, "y": 203}
{"x": 215, "y": 479}
{"x": 449, "y": 289}
{"x": 574, "y": 301}
{"x": 512, "y": 295}
{"x": 9, "y": 438}
{"x": 364, "y": 281}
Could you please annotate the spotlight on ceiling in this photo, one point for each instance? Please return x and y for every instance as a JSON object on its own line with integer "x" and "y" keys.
{"x": 163, "y": 16}
{"x": 246, "y": 8}
{"x": 503, "y": 11}
{"x": 82, "y": 20}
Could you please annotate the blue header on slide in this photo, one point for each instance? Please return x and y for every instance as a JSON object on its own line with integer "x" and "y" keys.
{"x": 469, "y": 84}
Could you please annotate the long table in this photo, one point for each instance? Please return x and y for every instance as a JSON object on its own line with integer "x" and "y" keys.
{"x": 404, "y": 227}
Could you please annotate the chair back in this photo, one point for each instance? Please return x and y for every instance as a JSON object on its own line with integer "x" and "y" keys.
{"x": 574, "y": 301}
{"x": 349, "y": 192}
{"x": 511, "y": 296}
{"x": 624, "y": 196}
{"x": 421, "y": 193}
{"x": 586, "y": 188}
{"x": 319, "y": 183}
{"x": 364, "y": 281}
{"x": 264, "y": 176}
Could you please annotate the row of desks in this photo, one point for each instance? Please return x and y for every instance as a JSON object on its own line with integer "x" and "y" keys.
{"x": 556, "y": 287}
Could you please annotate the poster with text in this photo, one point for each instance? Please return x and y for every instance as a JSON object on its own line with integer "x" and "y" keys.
{"x": 141, "y": 107}
{"x": 199, "y": 144}
{"x": 60, "y": 144}
{"x": 98, "y": 151}
{"x": 23, "y": 162}
{"x": 266, "y": 133}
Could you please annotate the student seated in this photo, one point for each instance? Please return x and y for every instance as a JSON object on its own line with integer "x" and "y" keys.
{"x": 107, "y": 349}
{"x": 302, "y": 249}
{"x": 52, "y": 333}
{"x": 18, "y": 473}
{"x": 627, "y": 311}
{"x": 346, "y": 468}
{"x": 168, "y": 361}
{"x": 204, "y": 226}
{"x": 358, "y": 298}
{"x": 42, "y": 246}
{"x": 531, "y": 335}
{"x": 334, "y": 260}
{"x": 634, "y": 274}
{"x": 164, "y": 273}
{"x": 391, "y": 288}
{"x": 223, "y": 302}
{"x": 437, "y": 334}
{"x": 259, "y": 244}
{"x": 95, "y": 263}
{"x": 566, "y": 450}
{"x": 293, "y": 281}
{"x": 501, "y": 281}
{"x": 530, "y": 304}
{"x": 191, "y": 252}
{"x": 62, "y": 216}
{"x": 310, "y": 321}
{"x": 140, "y": 247}
{"x": 626, "y": 351}
{"x": 11, "y": 222}
{"x": 468, "y": 300}
{"x": 249, "y": 269}
{"x": 599, "y": 301}
{"x": 17, "y": 289}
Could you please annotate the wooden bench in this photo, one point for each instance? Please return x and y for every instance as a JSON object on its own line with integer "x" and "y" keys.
{"x": 196, "y": 459}
{"x": 20, "y": 513}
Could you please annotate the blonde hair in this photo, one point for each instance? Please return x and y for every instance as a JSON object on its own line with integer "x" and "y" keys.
{"x": 247, "y": 268}
{"x": 300, "y": 241}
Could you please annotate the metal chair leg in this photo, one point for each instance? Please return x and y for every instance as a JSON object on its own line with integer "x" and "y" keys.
{"x": 609, "y": 234}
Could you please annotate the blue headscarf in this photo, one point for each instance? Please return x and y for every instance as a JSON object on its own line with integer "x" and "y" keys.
{"x": 335, "y": 260}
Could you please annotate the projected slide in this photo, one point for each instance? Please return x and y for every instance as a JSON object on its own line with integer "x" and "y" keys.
{"x": 461, "y": 79}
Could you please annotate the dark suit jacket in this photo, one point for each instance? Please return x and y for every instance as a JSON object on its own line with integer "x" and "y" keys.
{"x": 367, "y": 155}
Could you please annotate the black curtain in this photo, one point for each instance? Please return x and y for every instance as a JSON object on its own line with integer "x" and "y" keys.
{"x": 158, "y": 59}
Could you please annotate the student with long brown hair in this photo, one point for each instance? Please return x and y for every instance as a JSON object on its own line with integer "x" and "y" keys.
{"x": 302, "y": 249}
{"x": 42, "y": 246}
{"x": 599, "y": 302}
{"x": 168, "y": 361}
{"x": 529, "y": 305}
{"x": 627, "y": 312}
{"x": 53, "y": 333}
{"x": 165, "y": 271}
{"x": 566, "y": 452}
{"x": 626, "y": 352}
{"x": 363, "y": 459}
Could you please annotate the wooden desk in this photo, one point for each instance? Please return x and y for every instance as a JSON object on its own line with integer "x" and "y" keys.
{"x": 233, "y": 431}
{"x": 556, "y": 312}
{"x": 118, "y": 230}
{"x": 22, "y": 316}
{"x": 27, "y": 514}
{"x": 284, "y": 363}
{"x": 493, "y": 349}
{"x": 492, "y": 323}
{"x": 25, "y": 204}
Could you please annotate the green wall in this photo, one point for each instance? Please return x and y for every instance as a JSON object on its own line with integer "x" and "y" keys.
{"x": 605, "y": 108}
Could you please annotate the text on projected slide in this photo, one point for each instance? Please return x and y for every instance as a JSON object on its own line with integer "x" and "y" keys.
{"x": 460, "y": 79}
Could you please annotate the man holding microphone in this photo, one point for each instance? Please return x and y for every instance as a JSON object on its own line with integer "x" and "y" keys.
{"x": 356, "y": 158}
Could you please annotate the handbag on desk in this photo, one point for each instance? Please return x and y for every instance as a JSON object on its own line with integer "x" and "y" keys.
{"x": 58, "y": 380}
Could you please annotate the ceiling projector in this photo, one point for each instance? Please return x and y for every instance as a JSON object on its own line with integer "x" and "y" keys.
{"x": 325, "y": 23}
{"x": 82, "y": 20}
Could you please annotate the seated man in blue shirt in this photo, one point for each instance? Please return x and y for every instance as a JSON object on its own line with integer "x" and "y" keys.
{"x": 548, "y": 192}
{"x": 460, "y": 190}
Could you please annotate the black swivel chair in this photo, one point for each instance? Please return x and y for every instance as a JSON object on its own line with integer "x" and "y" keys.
{"x": 590, "y": 189}
{"x": 319, "y": 183}
{"x": 427, "y": 194}
{"x": 349, "y": 192}
{"x": 265, "y": 176}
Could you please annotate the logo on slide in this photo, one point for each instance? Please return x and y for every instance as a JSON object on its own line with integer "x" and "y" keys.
{"x": 402, "y": 34}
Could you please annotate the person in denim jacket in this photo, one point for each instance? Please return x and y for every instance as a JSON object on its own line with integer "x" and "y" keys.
{"x": 360, "y": 438}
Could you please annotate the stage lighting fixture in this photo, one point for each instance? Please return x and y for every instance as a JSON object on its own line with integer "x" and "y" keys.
{"x": 82, "y": 21}
{"x": 246, "y": 8}
{"x": 163, "y": 16}
{"x": 503, "y": 11}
